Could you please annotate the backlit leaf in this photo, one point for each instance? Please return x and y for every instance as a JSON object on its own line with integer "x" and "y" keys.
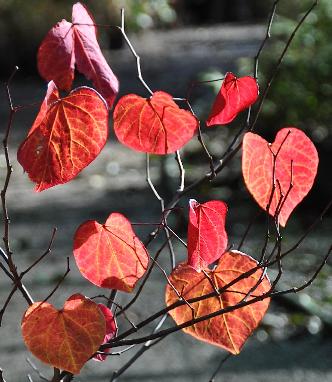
{"x": 207, "y": 238}
{"x": 229, "y": 330}
{"x": 52, "y": 95}
{"x": 56, "y": 58}
{"x": 89, "y": 59}
{"x": 65, "y": 138}
{"x": 235, "y": 95}
{"x": 296, "y": 161}
{"x": 110, "y": 330}
{"x": 154, "y": 125}
{"x": 69, "y": 44}
{"x": 110, "y": 255}
{"x": 64, "y": 338}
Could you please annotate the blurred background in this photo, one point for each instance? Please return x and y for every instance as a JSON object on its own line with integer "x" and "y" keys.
{"x": 180, "y": 41}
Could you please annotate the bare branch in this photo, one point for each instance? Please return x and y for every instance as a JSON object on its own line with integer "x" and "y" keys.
{"x": 220, "y": 365}
{"x": 279, "y": 62}
{"x": 59, "y": 283}
{"x": 2, "y": 311}
{"x": 181, "y": 170}
{"x": 133, "y": 51}
{"x": 36, "y": 370}
{"x": 48, "y": 251}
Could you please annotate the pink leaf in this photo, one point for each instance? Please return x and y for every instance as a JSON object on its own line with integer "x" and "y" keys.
{"x": 235, "y": 95}
{"x": 296, "y": 162}
{"x": 111, "y": 330}
{"x": 89, "y": 58}
{"x": 67, "y": 44}
{"x": 56, "y": 59}
{"x": 207, "y": 237}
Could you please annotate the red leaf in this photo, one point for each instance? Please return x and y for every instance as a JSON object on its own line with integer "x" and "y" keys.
{"x": 229, "y": 330}
{"x": 67, "y": 135}
{"x": 110, "y": 255}
{"x": 89, "y": 59}
{"x": 52, "y": 95}
{"x": 235, "y": 95}
{"x": 111, "y": 330}
{"x": 155, "y": 125}
{"x": 64, "y": 338}
{"x": 207, "y": 238}
{"x": 296, "y": 160}
{"x": 67, "y": 44}
{"x": 56, "y": 58}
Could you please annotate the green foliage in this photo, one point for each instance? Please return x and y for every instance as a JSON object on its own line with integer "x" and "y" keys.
{"x": 302, "y": 91}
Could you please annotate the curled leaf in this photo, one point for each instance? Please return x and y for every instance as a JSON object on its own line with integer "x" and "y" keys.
{"x": 228, "y": 330}
{"x": 235, "y": 95}
{"x": 207, "y": 237}
{"x": 154, "y": 125}
{"x": 110, "y": 330}
{"x": 64, "y": 338}
{"x": 279, "y": 184}
{"x": 89, "y": 58}
{"x": 56, "y": 57}
{"x": 67, "y": 135}
{"x": 110, "y": 255}
{"x": 69, "y": 44}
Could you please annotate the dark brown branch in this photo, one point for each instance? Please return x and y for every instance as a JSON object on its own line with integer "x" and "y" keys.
{"x": 147, "y": 275}
{"x": 2, "y": 311}
{"x": 278, "y": 64}
{"x": 267, "y": 37}
{"x": 59, "y": 283}
{"x": 48, "y": 251}
{"x": 140, "y": 352}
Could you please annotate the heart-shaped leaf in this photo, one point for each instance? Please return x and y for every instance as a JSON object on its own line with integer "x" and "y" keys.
{"x": 229, "y": 330}
{"x": 64, "y": 338}
{"x": 110, "y": 255}
{"x": 155, "y": 125}
{"x": 67, "y": 44}
{"x": 235, "y": 95}
{"x": 110, "y": 330}
{"x": 207, "y": 237}
{"x": 293, "y": 169}
{"x": 67, "y": 135}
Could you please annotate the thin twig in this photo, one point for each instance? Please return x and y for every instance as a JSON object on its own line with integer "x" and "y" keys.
{"x": 182, "y": 171}
{"x": 220, "y": 365}
{"x": 58, "y": 284}
{"x": 36, "y": 370}
{"x": 162, "y": 206}
{"x": 278, "y": 64}
{"x": 146, "y": 277}
{"x": 48, "y": 251}
{"x": 2, "y": 311}
{"x": 267, "y": 37}
{"x": 140, "y": 352}
{"x": 133, "y": 51}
